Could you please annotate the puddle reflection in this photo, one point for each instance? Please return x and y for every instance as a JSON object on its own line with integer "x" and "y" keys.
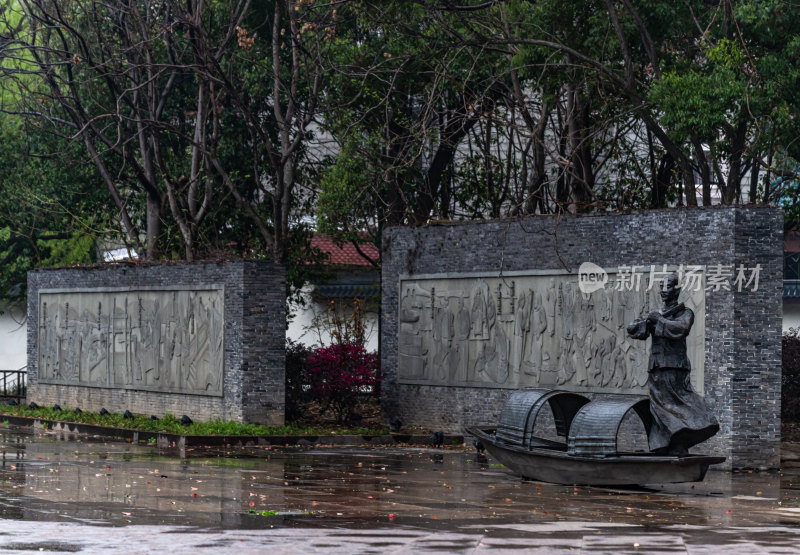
{"x": 45, "y": 477}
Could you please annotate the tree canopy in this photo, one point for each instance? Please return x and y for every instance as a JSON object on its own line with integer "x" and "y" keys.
{"x": 208, "y": 129}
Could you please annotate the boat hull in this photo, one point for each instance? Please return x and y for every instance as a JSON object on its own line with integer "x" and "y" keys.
{"x": 550, "y": 464}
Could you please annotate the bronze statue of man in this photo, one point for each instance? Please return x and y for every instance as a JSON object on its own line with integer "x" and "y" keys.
{"x": 681, "y": 417}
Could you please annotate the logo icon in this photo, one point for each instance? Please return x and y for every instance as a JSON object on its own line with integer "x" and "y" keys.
{"x": 591, "y": 278}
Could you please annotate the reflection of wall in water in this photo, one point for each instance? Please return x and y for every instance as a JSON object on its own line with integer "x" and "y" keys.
{"x": 159, "y": 340}
{"x": 525, "y": 330}
{"x": 160, "y": 485}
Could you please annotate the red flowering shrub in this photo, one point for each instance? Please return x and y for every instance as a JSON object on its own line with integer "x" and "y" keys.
{"x": 339, "y": 373}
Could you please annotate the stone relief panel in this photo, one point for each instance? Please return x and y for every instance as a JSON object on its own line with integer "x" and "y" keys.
{"x": 169, "y": 341}
{"x": 539, "y": 330}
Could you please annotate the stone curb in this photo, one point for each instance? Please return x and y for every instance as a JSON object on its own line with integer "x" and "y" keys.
{"x": 166, "y": 440}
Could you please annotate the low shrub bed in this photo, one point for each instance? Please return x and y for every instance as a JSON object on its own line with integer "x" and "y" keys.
{"x": 172, "y": 425}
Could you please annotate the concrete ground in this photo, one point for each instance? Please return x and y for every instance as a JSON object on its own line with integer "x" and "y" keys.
{"x": 96, "y": 496}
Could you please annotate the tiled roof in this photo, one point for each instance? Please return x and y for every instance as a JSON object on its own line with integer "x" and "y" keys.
{"x": 346, "y": 254}
{"x": 791, "y": 241}
{"x": 348, "y": 290}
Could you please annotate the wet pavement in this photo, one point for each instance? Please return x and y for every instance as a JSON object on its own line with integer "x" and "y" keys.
{"x": 60, "y": 494}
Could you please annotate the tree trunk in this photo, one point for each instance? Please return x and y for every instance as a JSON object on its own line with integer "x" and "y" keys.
{"x": 735, "y": 169}
{"x": 538, "y": 176}
{"x": 580, "y": 151}
{"x": 689, "y": 184}
{"x": 396, "y": 138}
{"x": 663, "y": 178}
{"x": 452, "y": 133}
{"x": 562, "y": 185}
{"x": 130, "y": 229}
{"x": 153, "y": 225}
{"x": 705, "y": 170}
{"x": 756, "y": 168}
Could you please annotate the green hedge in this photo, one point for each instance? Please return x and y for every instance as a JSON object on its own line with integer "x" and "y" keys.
{"x": 172, "y": 425}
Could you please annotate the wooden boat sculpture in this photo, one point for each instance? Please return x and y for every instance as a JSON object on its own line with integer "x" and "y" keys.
{"x": 590, "y": 455}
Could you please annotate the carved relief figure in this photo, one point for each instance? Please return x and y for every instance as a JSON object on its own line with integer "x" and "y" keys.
{"x": 619, "y": 373}
{"x": 603, "y": 306}
{"x": 210, "y": 380}
{"x": 166, "y": 340}
{"x": 482, "y": 311}
{"x": 551, "y": 306}
{"x": 607, "y": 363}
{"x": 443, "y": 333}
{"x": 550, "y": 339}
{"x": 410, "y": 306}
{"x": 546, "y": 333}
{"x": 460, "y": 360}
{"x": 522, "y": 330}
{"x": 596, "y": 365}
{"x": 584, "y": 332}
{"x": 412, "y": 350}
{"x": 640, "y": 305}
{"x": 91, "y": 347}
{"x": 566, "y": 363}
{"x": 65, "y": 347}
{"x": 492, "y": 364}
{"x": 538, "y": 352}
{"x": 536, "y": 325}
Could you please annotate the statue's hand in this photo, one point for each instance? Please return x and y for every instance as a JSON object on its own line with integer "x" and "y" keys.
{"x": 653, "y": 317}
{"x": 633, "y": 326}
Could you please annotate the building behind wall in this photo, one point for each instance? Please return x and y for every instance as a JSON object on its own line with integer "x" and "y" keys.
{"x": 349, "y": 276}
{"x": 13, "y": 338}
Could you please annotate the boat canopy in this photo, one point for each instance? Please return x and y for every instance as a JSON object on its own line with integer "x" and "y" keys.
{"x": 518, "y": 418}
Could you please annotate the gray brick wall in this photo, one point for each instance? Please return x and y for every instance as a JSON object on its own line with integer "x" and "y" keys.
{"x": 743, "y": 329}
{"x": 254, "y": 341}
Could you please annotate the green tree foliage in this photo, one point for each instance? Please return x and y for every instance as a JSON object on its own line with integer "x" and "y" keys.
{"x": 402, "y": 96}
{"x": 50, "y": 212}
{"x": 193, "y": 115}
{"x": 579, "y": 106}
{"x": 218, "y": 129}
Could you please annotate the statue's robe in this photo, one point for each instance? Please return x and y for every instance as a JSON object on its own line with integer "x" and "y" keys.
{"x": 681, "y": 417}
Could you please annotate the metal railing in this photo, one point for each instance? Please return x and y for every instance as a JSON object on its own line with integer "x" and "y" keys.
{"x": 13, "y": 384}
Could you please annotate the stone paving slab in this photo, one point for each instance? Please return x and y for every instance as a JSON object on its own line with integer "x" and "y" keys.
{"x": 59, "y": 537}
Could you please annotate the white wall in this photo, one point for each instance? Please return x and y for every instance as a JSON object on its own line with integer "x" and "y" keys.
{"x": 791, "y": 316}
{"x": 13, "y": 340}
{"x": 303, "y": 329}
